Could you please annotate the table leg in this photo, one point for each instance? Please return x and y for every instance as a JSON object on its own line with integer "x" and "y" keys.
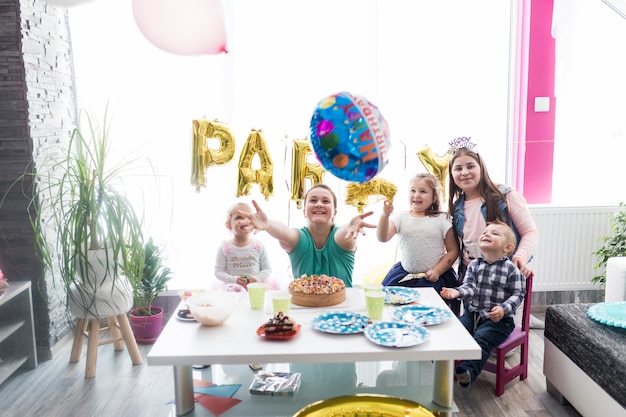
{"x": 443, "y": 383}
{"x": 183, "y": 389}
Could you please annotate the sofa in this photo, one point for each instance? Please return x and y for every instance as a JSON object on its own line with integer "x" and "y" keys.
{"x": 585, "y": 361}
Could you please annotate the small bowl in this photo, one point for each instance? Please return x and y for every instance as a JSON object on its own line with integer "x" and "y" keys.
{"x": 213, "y": 309}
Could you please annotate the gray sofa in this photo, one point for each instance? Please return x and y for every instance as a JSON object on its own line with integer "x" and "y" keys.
{"x": 585, "y": 361}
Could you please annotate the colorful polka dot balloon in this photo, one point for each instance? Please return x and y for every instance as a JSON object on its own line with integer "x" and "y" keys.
{"x": 350, "y": 137}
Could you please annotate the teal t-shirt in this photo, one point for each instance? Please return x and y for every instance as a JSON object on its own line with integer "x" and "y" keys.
{"x": 331, "y": 259}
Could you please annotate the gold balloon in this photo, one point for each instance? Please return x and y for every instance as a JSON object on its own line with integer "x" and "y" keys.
{"x": 358, "y": 193}
{"x": 203, "y": 157}
{"x": 264, "y": 177}
{"x": 301, "y": 169}
{"x": 436, "y": 165}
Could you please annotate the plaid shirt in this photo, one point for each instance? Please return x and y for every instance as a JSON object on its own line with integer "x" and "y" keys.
{"x": 492, "y": 284}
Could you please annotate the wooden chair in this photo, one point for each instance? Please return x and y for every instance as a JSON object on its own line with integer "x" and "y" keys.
{"x": 519, "y": 337}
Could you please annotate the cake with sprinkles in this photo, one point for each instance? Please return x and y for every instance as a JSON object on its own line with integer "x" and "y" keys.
{"x": 317, "y": 291}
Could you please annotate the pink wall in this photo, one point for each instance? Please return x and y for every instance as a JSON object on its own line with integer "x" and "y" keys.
{"x": 536, "y": 161}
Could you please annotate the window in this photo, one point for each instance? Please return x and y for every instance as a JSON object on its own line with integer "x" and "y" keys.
{"x": 590, "y": 128}
{"x": 436, "y": 69}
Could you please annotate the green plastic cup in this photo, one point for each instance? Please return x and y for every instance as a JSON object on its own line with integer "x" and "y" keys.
{"x": 256, "y": 294}
{"x": 375, "y": 301}
{"x": 281, "y": 301}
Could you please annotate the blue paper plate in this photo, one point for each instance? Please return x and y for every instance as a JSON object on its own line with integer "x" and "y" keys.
{"x": 422, "y": 315}
{"x": 400, "y": 295}
{"x": 396, "y": 334}
{"x": 611, "y": 314}
{"x": 341, "y": 322}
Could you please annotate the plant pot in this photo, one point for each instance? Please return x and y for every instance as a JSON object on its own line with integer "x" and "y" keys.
{"x": 146, "y": 328}
{"x": 103, "y": 293}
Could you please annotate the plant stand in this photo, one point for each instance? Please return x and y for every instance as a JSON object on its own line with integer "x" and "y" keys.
{"x": 121, "y": 333}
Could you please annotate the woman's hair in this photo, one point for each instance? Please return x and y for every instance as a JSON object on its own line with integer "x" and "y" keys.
{"x": 433, "y": 183}
{"x": 487, "y": 188}
{"x": 324, "y": 186}
{"x": 234, "y": 207}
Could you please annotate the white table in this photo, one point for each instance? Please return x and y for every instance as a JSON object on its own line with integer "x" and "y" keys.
{"x": 182, "y": 344}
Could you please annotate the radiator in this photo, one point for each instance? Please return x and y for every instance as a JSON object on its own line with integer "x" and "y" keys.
{"x": 568, "y": 236}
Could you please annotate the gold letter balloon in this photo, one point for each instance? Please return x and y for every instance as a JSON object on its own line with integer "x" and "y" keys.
{"x": 438, "y": 166}
{"x": 301, "y": 169}
{"x": 203, "y": 157}
{"x": 358, "y": 194}
{"x": 264, "y": 177}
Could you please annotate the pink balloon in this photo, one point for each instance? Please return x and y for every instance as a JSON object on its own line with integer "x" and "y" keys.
{"x": 182, "y": 27}
{"x": 67, "y": 3}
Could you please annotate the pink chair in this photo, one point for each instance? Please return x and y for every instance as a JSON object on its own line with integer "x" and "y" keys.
{"x": 519, "y": 337}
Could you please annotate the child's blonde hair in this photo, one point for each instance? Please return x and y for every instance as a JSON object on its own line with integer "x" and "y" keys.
{"x": 434, "y": 184}
{"x": 234, "y": 207}
{"x": 509, "y": 234}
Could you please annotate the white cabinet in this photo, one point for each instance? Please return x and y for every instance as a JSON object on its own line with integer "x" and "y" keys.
{"x": 17, "y": 332}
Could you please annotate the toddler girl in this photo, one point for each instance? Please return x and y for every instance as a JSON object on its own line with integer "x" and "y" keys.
{"x": 241, "y": 259}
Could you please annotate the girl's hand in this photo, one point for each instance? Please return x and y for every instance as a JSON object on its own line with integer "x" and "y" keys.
{"x": 356, "y": 225}
{"x": 432, "y": 275}
{"x": 387, "y": 208}
{"x": 496, "y": 314}
{"x": 243, "y": 281}
{"x": 450, "y": 293}
{"x": 521, "y": 265}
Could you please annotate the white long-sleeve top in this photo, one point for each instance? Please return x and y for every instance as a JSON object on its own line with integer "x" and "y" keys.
{"x": 233, "y": 261}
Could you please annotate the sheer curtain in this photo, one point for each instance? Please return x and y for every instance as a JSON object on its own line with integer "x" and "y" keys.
{"x": 590, "y": 131}
{"x": 437, "y": 70}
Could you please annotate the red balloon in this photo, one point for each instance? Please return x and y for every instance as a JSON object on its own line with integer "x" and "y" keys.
{"x": 189, "y": 27}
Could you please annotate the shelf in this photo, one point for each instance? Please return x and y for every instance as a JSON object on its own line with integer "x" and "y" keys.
{"x": 7, "y": 329}
{"x": 17, "y": 332}
{"x": 10, "y": 365}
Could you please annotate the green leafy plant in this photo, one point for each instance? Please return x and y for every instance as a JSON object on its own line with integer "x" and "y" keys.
{"x": 613, "y": 245}
{"x": 78, "y": 207}
{"x": 149, "y": 277}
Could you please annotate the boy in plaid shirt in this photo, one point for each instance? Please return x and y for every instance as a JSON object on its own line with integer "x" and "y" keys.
{"x": 496, "y": 288}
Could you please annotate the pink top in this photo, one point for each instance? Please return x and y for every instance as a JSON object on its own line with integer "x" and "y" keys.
{"x": 518, "y": 210}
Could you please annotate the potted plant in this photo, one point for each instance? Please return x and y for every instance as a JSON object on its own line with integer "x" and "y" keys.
{"x": 85, "y": 226}
{"x": 149, "y": 277}
{"x": 613, "y": 245}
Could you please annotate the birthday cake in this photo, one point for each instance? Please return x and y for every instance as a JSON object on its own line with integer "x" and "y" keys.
{"x": 317, "y": 291}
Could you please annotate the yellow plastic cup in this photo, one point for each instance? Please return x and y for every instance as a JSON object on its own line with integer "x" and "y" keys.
{"x": 256, "y": 294}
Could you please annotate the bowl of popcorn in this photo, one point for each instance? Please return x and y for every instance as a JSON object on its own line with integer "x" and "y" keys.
{"x": 214, "y": 308}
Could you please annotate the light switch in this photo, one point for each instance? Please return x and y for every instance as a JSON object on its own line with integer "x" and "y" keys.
{"x": 542, "y": 104}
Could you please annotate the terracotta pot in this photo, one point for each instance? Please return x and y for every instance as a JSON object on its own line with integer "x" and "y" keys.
{"x": 146, "y": 328}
